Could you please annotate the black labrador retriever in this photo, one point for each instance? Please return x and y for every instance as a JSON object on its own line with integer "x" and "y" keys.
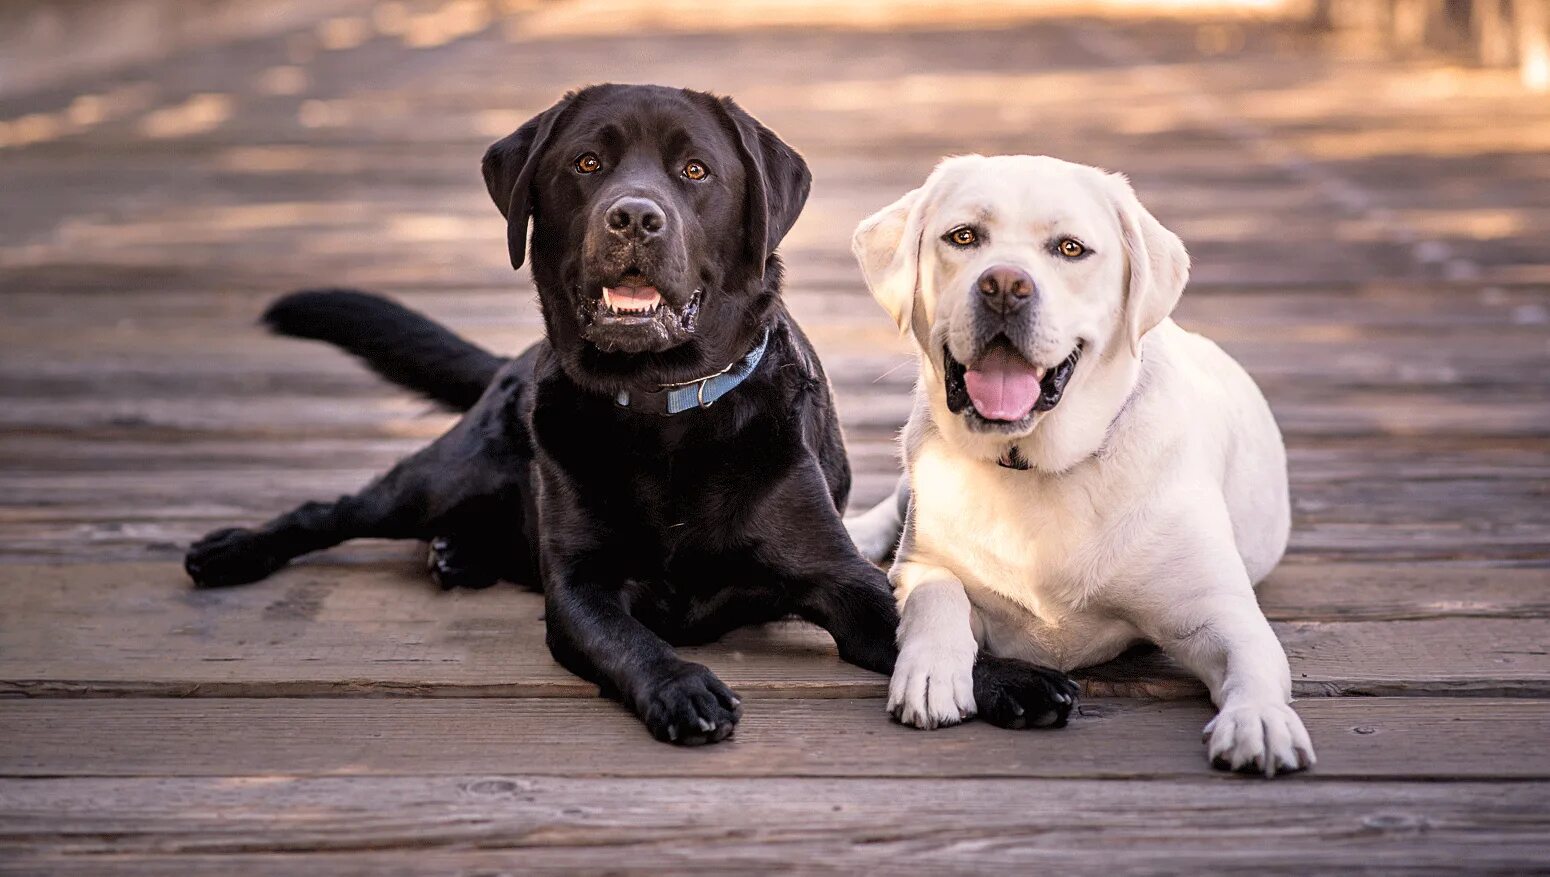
{"x": 666, "y": 465}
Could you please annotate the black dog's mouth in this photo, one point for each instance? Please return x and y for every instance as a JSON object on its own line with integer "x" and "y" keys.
{"x": 1004, "y": 392}
{"x": 631, "y": 315}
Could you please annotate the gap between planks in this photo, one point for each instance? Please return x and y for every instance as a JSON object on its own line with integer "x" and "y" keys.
{"x": 316, "y": 630}
{"x": 1356, "y": 738}
{"x": 500, "y": 823}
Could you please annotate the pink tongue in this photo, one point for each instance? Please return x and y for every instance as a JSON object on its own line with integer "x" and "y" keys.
{"x": 1002, "y": 385}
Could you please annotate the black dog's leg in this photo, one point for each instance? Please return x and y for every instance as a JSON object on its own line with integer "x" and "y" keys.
{"x": 835, "y": 587}
{"x": 237, "y": 556}
{"x": 591, "y": 634}
{"x": 408, "y": 502}
{"x": 1017, "y": 694}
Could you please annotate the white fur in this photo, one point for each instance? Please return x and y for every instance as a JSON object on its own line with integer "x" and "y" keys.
{"x": 1157, "y": 494}
{"x": 876, "y": 530}
{"x": 933, "y": 681}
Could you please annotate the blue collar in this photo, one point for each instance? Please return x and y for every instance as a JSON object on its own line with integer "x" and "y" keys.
{"x": 698, "y": 393}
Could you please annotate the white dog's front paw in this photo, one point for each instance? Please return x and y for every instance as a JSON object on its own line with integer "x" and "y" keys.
{"x": 933, "y": 684}
{"x": 1268, "y": 737}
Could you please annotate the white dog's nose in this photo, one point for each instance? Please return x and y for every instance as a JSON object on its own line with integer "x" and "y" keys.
{"x": 1005, "y": 288}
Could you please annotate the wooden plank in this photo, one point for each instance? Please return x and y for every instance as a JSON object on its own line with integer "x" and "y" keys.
{"x": 493, "y": 823}
{"x": 136, "y": 534}
{"x": 1359, "y": 461}
{"x": 244, "y": 488}
{"x": 1272, "y": 341}
{"x": 1312, "y": 314}
{"x": 314, "y": 630}
{"x": 1454, "y": 412}
{"x": 1365, "y": 738}
{"x": 860, "y": 352}
{"x": 104, "y": 510}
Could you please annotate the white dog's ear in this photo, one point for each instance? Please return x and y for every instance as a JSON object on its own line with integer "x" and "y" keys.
{"x": 887, "y": 244}
{"x": 1159, "y": 265}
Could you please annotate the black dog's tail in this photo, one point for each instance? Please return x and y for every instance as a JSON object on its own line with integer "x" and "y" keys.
{"x": 399, "y": 344}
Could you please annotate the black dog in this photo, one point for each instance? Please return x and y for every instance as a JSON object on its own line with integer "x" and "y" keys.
{"x": 666, "y": 465}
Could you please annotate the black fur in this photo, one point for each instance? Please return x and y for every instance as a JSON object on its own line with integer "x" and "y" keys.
{"x": 1016, "y": 694}
{"x": 397, "y": 343}
{"x": 643, "y": 531}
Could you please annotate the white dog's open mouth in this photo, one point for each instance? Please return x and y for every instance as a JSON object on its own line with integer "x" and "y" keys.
{"x": 1003, "y": 390}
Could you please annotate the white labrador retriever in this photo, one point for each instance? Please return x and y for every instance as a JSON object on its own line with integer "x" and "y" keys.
{"x": 1083, "y": 473}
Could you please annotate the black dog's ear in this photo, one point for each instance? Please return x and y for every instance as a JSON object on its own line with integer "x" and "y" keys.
{"x": 778, "y": 182}
{"x": 509, "y": 166}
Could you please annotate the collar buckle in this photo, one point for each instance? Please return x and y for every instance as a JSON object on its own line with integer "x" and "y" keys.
{"x": 669, "y": 399}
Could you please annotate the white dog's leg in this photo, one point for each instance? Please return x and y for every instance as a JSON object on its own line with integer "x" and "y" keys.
{"x": 1218, "y": 631}
{"x": 933, "y": 681}
{"x": 876, "y": 530}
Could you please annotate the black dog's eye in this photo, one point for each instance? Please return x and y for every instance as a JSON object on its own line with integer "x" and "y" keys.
{"x": 1071, "y": 248}
{"x": 695, "y": 170}
{"x": 588, "y": 164}
{"x": 962, "y": 236}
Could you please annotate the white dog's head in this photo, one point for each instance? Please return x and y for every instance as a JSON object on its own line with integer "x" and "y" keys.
{"x": 1025, "y": 279}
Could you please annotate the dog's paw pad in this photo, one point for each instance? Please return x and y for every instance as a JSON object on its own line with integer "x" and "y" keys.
{"x": 1266, "y": 738}
{"x": 691, "y": 708}
{"x": 230, "y": 557}
{"x": 1016, "y": 694}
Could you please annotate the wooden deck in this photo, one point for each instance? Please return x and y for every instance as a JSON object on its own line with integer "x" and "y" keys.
{"x": 1370, "y": 239}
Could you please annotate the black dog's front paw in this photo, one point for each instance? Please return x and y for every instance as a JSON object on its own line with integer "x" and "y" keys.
{"x": 1016, "y": 694}
{"x": 691, "y": 708}
{"x": 454, "y": 565}
{"x": 231, "y": 557}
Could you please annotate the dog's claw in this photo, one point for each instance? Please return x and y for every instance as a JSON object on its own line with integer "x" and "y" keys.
{"x": 691, "y": 708}
{"x": 452, "y": 566}
{"x": 1264, "y": 738}
{"x": 1008, "y": 690}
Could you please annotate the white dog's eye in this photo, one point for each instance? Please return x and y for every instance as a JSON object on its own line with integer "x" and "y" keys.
{"x": 1071, "y": 248}
{"x": 962, "y": 236}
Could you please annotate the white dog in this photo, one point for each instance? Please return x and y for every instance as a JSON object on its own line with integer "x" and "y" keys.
{"x": 1083, "y": 473}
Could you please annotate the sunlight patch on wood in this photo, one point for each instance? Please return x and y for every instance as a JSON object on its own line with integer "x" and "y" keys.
{"x": 322, "y": 114}
{"x": 286, "y": 159}
{"x": 437, "y": 227}
{"x": 282, "y": 80}
{"x": 1511, "y": 136}
{"x": 344, "y": 32}
{"x": 610, "y": 17}
{"x": 438, "y": 27}
{"x": 84, "y": 112}
{"x": 199, "y": 114}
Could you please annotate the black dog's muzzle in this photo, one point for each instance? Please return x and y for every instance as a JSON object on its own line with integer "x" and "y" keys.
{"x": 635, "y": 219}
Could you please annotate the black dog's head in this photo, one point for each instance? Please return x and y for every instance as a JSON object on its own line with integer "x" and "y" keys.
{"x": 656, "y": 213}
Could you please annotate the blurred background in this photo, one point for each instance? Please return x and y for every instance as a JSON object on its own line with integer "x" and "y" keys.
{"x": 1364, "y": 187}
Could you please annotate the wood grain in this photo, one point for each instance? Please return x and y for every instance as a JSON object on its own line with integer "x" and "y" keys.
{"x": 1391, "y": 738}
{"x": 1367, "y": 238}
{"x": 495, "y": 822}
{"x": 319, "y": 630}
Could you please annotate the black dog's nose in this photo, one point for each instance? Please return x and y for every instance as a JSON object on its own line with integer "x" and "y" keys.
{"x": 1005, "y": 288}
{"x": 634, "y": 217}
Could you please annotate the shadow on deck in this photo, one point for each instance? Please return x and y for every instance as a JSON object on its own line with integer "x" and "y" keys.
{"x": 1369, "y": 240}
